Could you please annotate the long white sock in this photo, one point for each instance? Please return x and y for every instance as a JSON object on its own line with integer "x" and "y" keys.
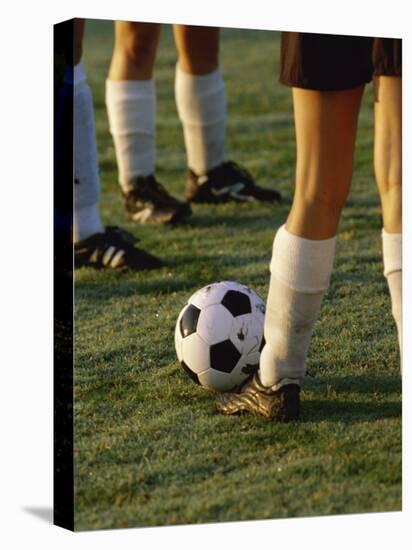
{"x": 131, "y": 108}
{"x": 86, "y": 173}
{"x": 201, "y": 105}
{"x": 392, "y": 261}
{"x": 300, "y": 273}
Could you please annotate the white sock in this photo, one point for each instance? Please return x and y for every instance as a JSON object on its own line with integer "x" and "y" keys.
{"x": 201, "y": 105}
{"x": 392, "y": 262}
{"x": 86, "y": 174}
{"x": 300, "y": 273}
{"x": 131, "y": 108}
{"x": 86, "y": 222}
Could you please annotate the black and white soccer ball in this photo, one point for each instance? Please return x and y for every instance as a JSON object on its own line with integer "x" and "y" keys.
{"x": 219, "y": 335}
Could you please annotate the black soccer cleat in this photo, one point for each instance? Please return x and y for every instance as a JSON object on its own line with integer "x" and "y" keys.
{"x": 228, "y": 182}
{"x": 113, "y": 249}
{"x": 282, "y": 405}
{"x": 148, "y": 202}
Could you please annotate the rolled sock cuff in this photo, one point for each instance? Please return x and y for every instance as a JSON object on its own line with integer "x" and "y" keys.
{"x": 131, "y": 106}
{"x": 200, "y": 84}
{"x": 130, "y": 88}
{"x": 201, "y": 100}
{"x": 302, "y": 264}
{"x": 392, "y": 252}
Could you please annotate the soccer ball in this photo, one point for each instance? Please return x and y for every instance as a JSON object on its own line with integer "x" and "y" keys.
{"x": 219, "y": 335}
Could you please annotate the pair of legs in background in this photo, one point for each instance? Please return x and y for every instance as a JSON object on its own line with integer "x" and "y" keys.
{"x": 131, "y": 100}
{"x": 202, "y": 108}
{"x": 327, "y": 74}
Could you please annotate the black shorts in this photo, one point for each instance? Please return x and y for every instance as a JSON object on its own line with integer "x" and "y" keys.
{"x": 334, "y": 62}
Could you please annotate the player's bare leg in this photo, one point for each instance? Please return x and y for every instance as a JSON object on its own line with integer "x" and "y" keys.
{"x": 388, "y": 150}
{"x": 197, "y": 48}
{"x": 303, "y": 251}
{"x": 388, "y": 172}
{"x": 131, "y": 107}
{"x": 326, "y": 125}
{"x": 135, "y": 49}
{"x": 201, "y": 104}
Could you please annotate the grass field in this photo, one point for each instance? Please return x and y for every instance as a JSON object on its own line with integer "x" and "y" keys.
{"x": 149, "y": 447}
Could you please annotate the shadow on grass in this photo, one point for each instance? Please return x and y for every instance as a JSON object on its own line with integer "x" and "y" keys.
{"x": 371, "y": 202}
{"x": 241, "y": 217}
{"x": 104, "y": 290}
{"x": 206, "y": 269}
{"x": 220, "y": 261}
{"x": 329, "y": 403}
{"x": 349, "y": 412}
{"x": 363, "y": 220}
{"x": 365, "y": 383}
{"x": 358, "y": 260}
{"x": 122, "y": 286}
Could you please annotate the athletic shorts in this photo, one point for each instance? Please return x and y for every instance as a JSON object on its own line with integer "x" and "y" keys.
{"x": 333, "y": 62}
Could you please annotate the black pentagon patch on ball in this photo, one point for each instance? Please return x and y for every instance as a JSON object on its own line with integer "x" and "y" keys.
{"x": 237, "y": 303}
{"x": 224, "y": 356}
{"x": 188, "y": 322}
{"x": 190, "y": 373}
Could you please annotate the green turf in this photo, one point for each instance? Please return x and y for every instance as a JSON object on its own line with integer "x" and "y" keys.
{"x": 149, "y": 447}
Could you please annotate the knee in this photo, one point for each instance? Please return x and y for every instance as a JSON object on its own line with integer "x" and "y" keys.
{"x": 315, "y": 215}
{"x": 327, "y": 202}
{"x": 198, "y": 48}
{"x": 137, "y": 41}
{"x": 390, "y": 184}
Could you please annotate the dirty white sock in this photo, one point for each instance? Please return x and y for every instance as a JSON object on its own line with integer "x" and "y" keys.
{"x": 201, "y": 105}
{"x": 131, "y": 108}
{"x": 300, "y": 273}
{"x": 86, "y": 174}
